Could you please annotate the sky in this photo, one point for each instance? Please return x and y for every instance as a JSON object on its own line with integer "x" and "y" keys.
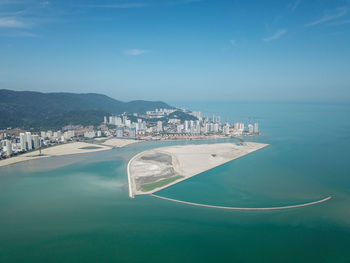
{"x": 190, "y": 50}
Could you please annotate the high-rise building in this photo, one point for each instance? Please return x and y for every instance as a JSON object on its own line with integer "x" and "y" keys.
{"x": 127, "y": 123}
{"x": 195, "y": 127}
{"x": 23, "y": 141}
{"x": 124, "y": 119}
{"x": 226, "y": 129}
{"x": 135, "y": 125}
{"x": 49, "y": 134}
{"x": 256, "y": 127}
{"x": 132, "y": 132}
{"x": 36, "y": 141}
{"x": 118, "y": 121}
{"x": 29, "y": 141}
{"x": 113, "y": 120}
{"x": 105, "y": 119}
{"x": 159, "y": 126}
{"x": 140, "y": 126}
{"x": 57, "y": 135}
{"x": 120, "y": 132}
{"x": 68, "y": 135}
{"x": 215, "y": 127}
{"x": 197, "y": 114}
{"x": 236, "y": 125}
{"x": 179, "y": 128}
{"x": 207, "y": 128}
{"x": 8, "y": 146}
{"x": 187, "y": 126}
{"x": 250, "y": 128}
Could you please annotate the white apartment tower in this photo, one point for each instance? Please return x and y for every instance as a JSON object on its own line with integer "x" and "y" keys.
{"x": 36, "y": 141}
{"x": 120, "y": 132}
{"x": 29, "y": 141}
{"x": 23, "y": 141}
{"x": 186, "y": 126}
{"x": 250, "y": 128}
{"x": 241, "y": 126}
{"x": 159, "y": 126}
{"x": 256, "y": 127}
{"x": 8, "y": 148}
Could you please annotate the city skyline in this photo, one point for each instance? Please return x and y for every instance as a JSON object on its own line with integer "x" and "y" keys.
{"x": 219, "y": 50}
{"x": 156, "y": 124}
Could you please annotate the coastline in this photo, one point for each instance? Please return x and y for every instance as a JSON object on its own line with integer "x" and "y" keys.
{"x": 57, "y": 150}
{"x": 69, "y": 148}
{"x": 130, "y": 188}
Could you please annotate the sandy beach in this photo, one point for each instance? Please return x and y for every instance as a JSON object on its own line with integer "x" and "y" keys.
{"x": 118, "y": 143}
{"x": 62, "y": 149}
{"x": 156, "y": 169}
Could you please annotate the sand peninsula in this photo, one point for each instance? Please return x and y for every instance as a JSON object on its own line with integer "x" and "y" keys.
{"x": 69, "y": 148}
{"x": 156, "y": 169}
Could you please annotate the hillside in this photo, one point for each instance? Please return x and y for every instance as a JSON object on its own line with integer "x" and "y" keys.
{"x": 27, "y": 109}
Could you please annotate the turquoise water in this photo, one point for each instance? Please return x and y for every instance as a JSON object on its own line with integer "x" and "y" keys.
{"x": 76, "y": 208}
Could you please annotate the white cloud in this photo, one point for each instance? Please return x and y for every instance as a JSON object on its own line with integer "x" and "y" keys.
{"x": 326, "y": 18}
{"x": 135, "y": 52}
{"x": 12, "y": 22}
{"x": 295, "y": 5}
{"x": 18, "y": 34}
{"x": 275, "y": 36}
{"x": 339, "y": 23}
{"x": 44, "y": 3}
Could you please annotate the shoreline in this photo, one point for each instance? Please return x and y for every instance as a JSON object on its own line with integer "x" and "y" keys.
{"x": 66, "y": 149}
{"x": 131, "y": 195}
{"x": 56, "y": 150}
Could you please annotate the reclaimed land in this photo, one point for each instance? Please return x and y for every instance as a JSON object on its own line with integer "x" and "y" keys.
{"x": 156, "y": 169}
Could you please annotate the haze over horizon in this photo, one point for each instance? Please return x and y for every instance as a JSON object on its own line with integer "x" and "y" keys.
{"x": 172, "y": 50}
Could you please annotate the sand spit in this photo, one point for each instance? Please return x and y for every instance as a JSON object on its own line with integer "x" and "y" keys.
{"x": 62, "y": 149}
{"x": 156, "y": 169}
{"x": 245, "y": 208}
{"x": 114, "y": 142}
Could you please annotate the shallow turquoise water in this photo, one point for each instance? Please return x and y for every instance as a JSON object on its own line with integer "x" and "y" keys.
{"x": 76, "y": 209}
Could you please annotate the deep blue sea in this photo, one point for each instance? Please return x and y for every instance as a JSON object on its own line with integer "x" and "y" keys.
{"x": 77, "y": 209}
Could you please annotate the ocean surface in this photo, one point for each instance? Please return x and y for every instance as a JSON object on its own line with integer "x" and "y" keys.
{"x": 76, "y": 208}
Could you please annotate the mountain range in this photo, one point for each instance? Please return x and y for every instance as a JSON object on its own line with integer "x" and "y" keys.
{"x": 37, "y": 110}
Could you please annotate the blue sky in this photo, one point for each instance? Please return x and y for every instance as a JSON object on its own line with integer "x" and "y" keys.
{"x": 297, "y": 50}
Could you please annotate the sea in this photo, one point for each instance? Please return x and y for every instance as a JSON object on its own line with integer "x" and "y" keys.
{"x": 77, "y": 209}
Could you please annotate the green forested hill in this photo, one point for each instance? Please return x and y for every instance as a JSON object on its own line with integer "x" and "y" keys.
{"x": 28, "y": 109}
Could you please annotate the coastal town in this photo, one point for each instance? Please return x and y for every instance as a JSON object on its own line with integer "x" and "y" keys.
{"x": 158, "y": 124}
